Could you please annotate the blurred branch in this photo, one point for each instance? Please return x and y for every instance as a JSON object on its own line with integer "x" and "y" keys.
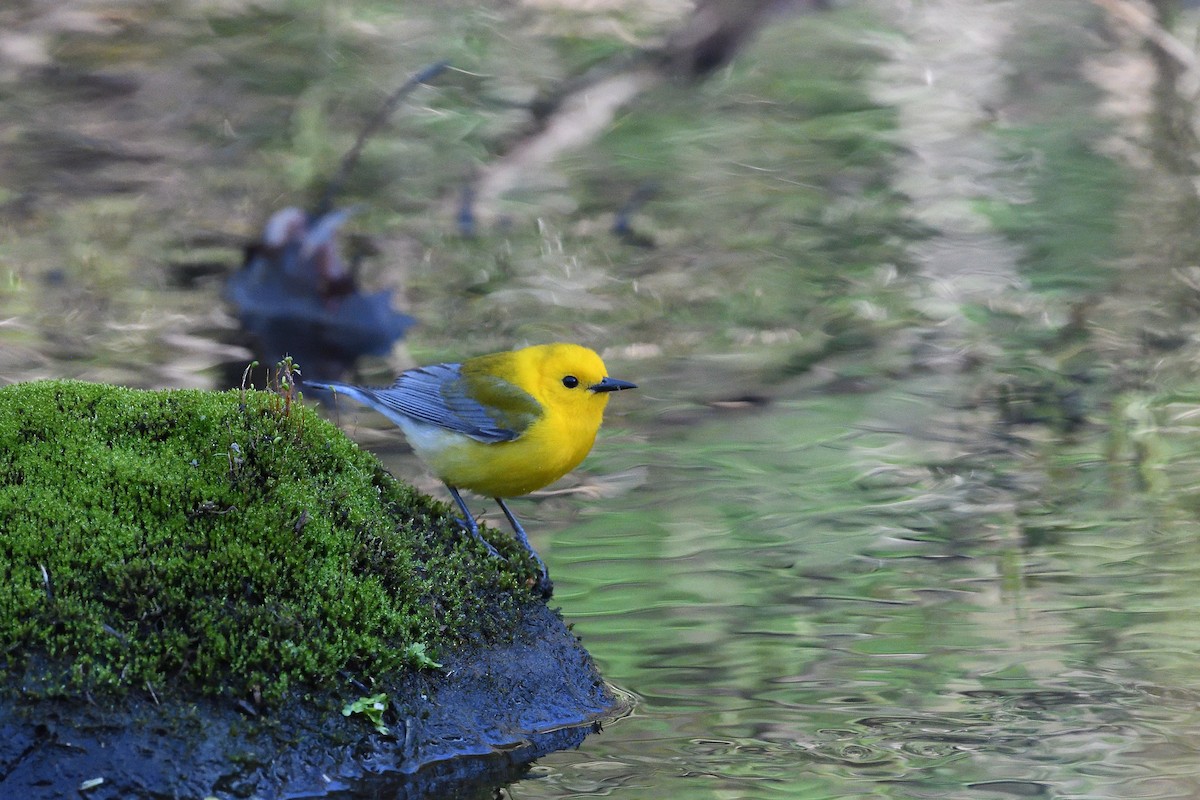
{"x": 579, "y": 109}
{"x": 1149, "y": 28}
{"x": 718, "y": 29}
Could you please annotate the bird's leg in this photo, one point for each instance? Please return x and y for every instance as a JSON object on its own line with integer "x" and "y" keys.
{"x": 544, "y": 584}
{"x": 468, "y": 522}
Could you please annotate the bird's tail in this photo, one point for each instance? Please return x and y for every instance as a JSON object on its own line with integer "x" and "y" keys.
{"x": 338, "y": 388}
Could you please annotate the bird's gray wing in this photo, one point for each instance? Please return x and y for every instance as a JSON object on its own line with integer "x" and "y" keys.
{"x": 440, "y": 395}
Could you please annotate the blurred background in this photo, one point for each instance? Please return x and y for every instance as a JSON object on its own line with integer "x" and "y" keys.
{"x": 905, "y": 505}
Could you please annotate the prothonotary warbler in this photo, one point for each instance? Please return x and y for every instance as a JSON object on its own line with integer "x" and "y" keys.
{"x": 501, "y": 425}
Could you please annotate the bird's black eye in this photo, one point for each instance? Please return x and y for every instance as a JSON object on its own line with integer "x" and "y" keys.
{"x": 570, "y": 381}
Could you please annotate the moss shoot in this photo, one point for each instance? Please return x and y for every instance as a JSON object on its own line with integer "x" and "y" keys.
{"x": 220, "y": 543}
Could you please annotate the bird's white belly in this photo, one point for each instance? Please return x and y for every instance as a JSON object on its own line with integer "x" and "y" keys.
{"x": 430, "y": 441}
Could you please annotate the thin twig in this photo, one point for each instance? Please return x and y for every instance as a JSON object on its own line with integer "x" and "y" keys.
{"x": 325, "y": 205}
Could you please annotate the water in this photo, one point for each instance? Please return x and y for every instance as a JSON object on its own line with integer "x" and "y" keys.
{"x": 918, "y": 647}
{"x": 904, "y": 506}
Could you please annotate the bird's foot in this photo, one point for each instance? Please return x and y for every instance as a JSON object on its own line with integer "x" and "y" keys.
{"x": 468, "y": 523}
{"x": 474, "y": 531}
{"x": 544, "y": 586}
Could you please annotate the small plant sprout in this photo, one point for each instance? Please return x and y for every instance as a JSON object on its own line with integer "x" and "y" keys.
{"x": 372, "y": 707}
{"x": 247, "y": 380}
{"x": 283, "y": 382}
{"x": 416, "y": 656}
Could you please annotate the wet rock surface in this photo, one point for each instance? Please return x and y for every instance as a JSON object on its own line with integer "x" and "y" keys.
{"x": 464, "y": 728}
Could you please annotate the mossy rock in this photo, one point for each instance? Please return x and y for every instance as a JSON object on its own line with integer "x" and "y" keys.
{"x": 213, "y": 563}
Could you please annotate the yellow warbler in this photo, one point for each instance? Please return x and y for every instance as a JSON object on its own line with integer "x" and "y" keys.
{"x": 501, "y": 425}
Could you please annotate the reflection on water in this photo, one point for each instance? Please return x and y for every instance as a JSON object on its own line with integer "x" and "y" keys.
{"x": 815, "y": 551}
{"x": 793, "y": 655}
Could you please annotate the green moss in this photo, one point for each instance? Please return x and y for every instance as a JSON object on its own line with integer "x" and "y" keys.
{"x": 216, "y": 542}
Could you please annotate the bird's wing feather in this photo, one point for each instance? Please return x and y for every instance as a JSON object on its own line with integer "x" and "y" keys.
{"x": 436, "y": 394}
{"x": 485, "y": 408}
{"x": 507, "y": 406}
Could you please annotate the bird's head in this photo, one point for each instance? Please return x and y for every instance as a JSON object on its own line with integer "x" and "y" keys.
{"x": 570, "y": 378}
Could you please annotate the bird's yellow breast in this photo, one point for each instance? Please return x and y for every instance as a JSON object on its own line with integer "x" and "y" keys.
{"x": 550, "y": 448}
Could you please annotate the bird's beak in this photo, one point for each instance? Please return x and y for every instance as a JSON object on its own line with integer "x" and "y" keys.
{"x": 611, "y": 385}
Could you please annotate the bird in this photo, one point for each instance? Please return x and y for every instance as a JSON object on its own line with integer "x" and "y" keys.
{"x": 501, "y": 425}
